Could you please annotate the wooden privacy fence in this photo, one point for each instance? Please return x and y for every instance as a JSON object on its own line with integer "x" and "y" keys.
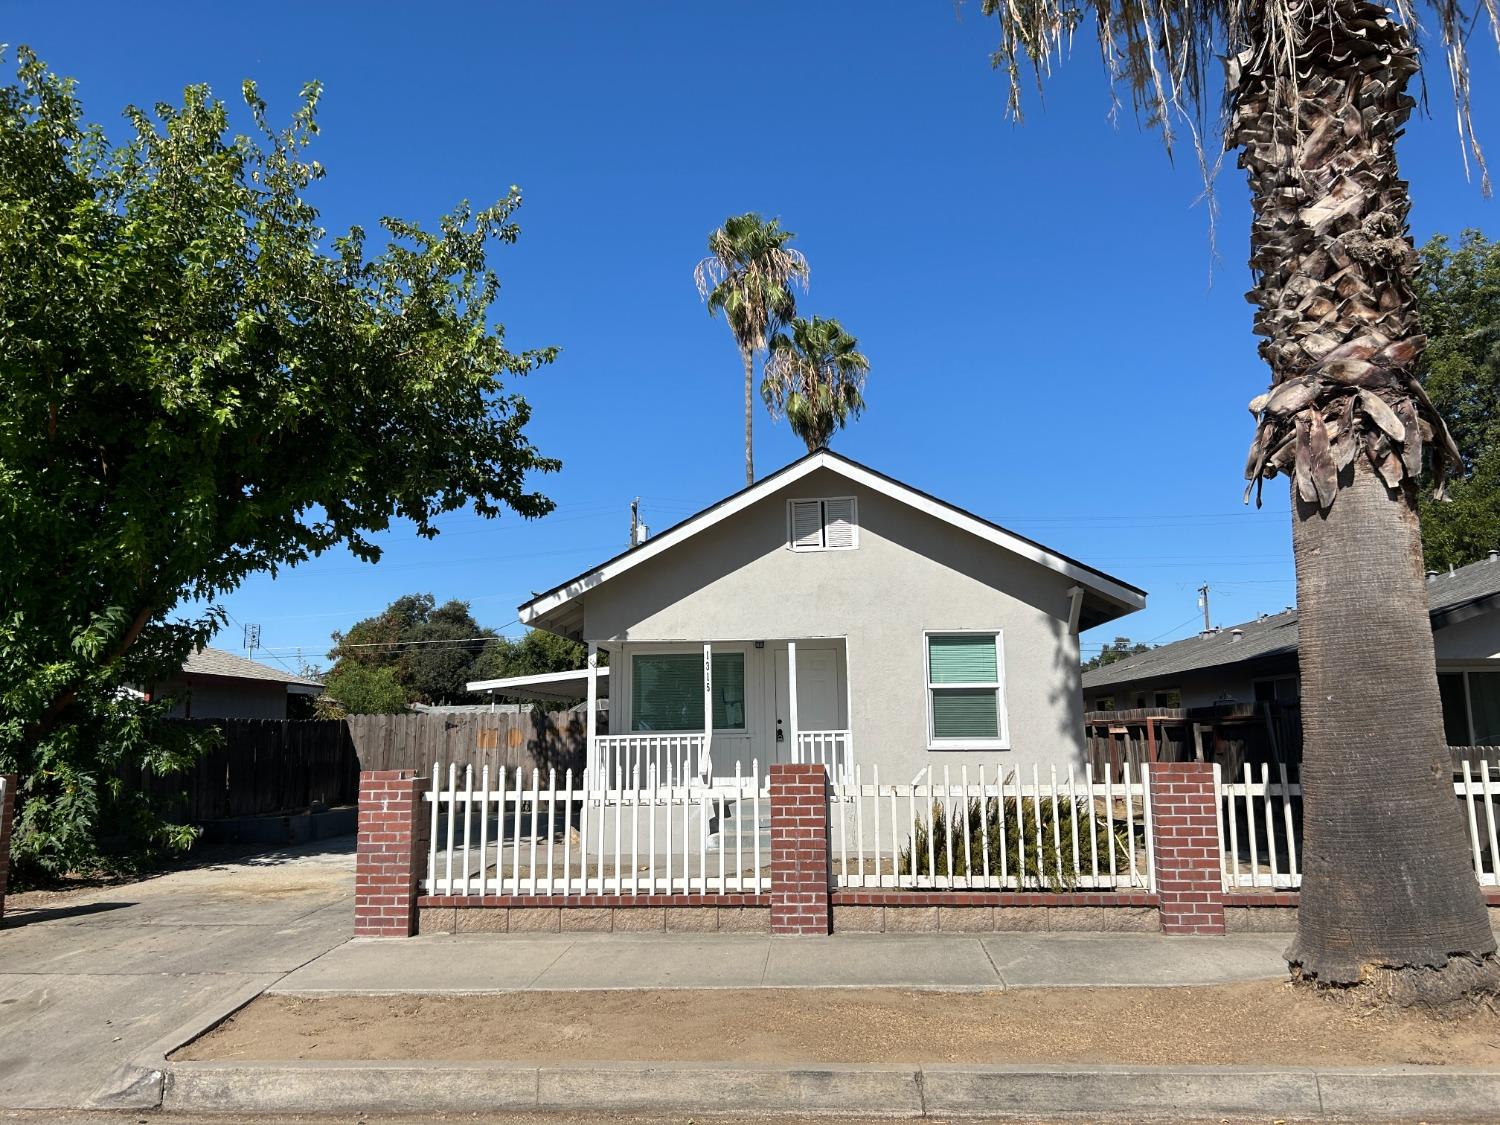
{"x": 264, "y": 767}
{"x": 542, "y": 740}
{"x": 260, "y": 767}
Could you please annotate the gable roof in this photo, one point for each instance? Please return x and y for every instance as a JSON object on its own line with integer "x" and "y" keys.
{"x": 1118, "y": 597}
{"x": 1452, "y": 597}
{"x": 217, "y": 662}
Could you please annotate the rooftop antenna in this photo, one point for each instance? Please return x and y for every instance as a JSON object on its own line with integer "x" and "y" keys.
{"x": 638, "y": 531}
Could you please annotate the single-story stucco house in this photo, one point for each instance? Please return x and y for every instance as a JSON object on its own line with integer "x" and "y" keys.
{"x": 215, "y": 684}
{"x": 831, "y": 613}
{"x": 1256, "y": 661}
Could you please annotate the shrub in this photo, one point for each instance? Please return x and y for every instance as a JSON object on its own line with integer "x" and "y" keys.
{"x": 1022, "y": 820}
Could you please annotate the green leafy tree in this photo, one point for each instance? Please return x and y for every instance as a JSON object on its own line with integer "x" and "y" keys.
{"x": 1117, "y": 650}
{"x": 748, "y": 276}
{"x": 1460, "y": 293}
{"x": 430, "y": 649}
{"x": 815, "y": 377}
{"x": 1314, "y": 98}
{"x": 197, "y": 384}
{"x": 537, "y": 652}
{"x": 362, "y": 689}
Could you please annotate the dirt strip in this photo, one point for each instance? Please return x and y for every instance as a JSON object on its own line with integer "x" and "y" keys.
{"x": 1253, "y": 1023}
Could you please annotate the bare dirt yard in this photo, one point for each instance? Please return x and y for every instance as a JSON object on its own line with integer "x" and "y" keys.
{"x": 1261, "y": 1022}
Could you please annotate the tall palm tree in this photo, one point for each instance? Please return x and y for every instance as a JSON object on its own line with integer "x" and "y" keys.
{"x": 1315, "y": 97}
{"x": 748, "y": 276}
{"x": 816, "y": 377}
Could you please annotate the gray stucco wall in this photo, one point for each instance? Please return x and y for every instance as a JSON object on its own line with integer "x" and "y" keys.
{"x": 738, "y": 581}
{"x": 216, "y": 698}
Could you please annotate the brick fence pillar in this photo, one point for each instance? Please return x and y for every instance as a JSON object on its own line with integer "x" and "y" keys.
{"x": 391, "y": 853}
{"x": 800, "y": 873}
{"x": 8, "y": 782}
{"x": 1189, "y": 871}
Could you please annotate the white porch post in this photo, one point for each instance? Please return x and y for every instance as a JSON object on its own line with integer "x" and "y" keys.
{"x": 705, "y": 763}
{"x": 791, "y": 694}
{"x": 591, "y": 757}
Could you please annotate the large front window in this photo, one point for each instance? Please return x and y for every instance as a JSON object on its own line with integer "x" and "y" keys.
{"x": 965, "y": 692}
{"x": 666, "y": 691}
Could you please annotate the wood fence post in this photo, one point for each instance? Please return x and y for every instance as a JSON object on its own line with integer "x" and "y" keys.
{"x": 8, "y": 783}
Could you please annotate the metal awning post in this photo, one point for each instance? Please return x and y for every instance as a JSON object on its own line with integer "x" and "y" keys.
{"x": 592, "y": 722}
{"x": 705, "y": 760}
{"x": 791, "y": 698}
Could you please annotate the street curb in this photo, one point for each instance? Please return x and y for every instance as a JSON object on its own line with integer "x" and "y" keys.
{"x": 139, "y": 1084}
{"x": 909, "y": 1091}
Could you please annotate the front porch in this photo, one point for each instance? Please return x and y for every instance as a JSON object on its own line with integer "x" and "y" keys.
{"x": 705, "y": 712}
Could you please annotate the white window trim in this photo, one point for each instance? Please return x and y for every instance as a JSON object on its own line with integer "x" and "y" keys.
{"x": 791, "y": 537}
{"x": 689, "y": 650}
{"x": 935, "y": 743}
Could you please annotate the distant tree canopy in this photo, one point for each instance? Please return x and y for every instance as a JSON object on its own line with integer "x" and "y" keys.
{"x": 199, "y": 382}
{"x": 1460, "y": 313}
{"x": 1117, "y": 649}
{"x": 430, "y": 652}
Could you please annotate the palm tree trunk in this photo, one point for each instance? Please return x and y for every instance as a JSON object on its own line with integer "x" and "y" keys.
{"x": 1388, "y": 895}
{"x": 749, "y": 358}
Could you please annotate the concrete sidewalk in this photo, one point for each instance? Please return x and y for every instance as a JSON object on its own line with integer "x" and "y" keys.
{"x": 468, "y": 963}
{"x": 90, "y": 981}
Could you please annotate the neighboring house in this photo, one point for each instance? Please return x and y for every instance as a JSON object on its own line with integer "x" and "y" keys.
{"x": 220, "y": 685}
{"x": 831, "y": 613}
{"x": 1257, "y": 661}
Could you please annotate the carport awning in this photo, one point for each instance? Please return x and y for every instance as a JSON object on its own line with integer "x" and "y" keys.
{"x": 572, "y": 685}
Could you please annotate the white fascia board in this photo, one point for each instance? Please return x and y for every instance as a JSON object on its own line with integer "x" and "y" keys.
{"x": 989, "y": 532}
{"x": 1116, "y": 592}
{"x": 540, "y": 679}
{"x": 668, "y": 539}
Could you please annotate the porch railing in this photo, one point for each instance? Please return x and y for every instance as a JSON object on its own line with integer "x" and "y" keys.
{"x": 831, "y": 748}
{"x": 626, "y": 759}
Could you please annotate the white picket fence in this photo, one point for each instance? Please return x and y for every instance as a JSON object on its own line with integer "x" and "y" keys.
{"x": 514, "y": 835}
{"x": 1063, "y": 833}
{"x": 1260, "y": 829}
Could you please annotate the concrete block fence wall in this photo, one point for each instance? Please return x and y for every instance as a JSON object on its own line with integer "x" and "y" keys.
{"x": 1187, "y": 896}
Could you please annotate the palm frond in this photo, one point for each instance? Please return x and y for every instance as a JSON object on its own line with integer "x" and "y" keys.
{"x": 1161, "y": 51}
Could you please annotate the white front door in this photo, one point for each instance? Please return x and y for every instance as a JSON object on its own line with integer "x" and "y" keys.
{"x": 817, "y": 696}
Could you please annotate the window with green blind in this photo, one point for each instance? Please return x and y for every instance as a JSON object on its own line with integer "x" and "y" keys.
{"x": 965, "y": 696}
{"x": 666, "y": 691}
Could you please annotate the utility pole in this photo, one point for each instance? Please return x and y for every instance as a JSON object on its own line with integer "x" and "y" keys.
{"x": 1203, "y": 605}
{"x": 252, "y": 640}
{"x": 635, "y": 520}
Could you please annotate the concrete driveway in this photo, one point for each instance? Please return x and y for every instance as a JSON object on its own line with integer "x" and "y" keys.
{"x": 90, "y": 981}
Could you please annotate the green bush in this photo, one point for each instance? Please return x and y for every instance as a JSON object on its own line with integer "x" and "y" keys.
{"x": 1021, "y": 820}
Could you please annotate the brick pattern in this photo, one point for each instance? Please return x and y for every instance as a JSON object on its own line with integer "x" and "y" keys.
{"x": 7, "y": 816}
{"x": 589, "y": 901}
{"x": 800, "y": 872}
{"x": 392, "y": 848}
{"x": 1189, "y": 880}
{"x": 857, "y": 897}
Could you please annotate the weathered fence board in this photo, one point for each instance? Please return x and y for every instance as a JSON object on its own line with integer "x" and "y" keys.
{"x": 527, "y": 740}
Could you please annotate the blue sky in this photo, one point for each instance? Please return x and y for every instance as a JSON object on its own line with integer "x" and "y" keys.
{"x": 1047, "y": 349}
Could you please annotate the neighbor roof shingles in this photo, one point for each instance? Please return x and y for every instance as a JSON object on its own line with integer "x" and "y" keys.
{"x": 1277, "y": 635}
{"x": 217, "y": 662}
